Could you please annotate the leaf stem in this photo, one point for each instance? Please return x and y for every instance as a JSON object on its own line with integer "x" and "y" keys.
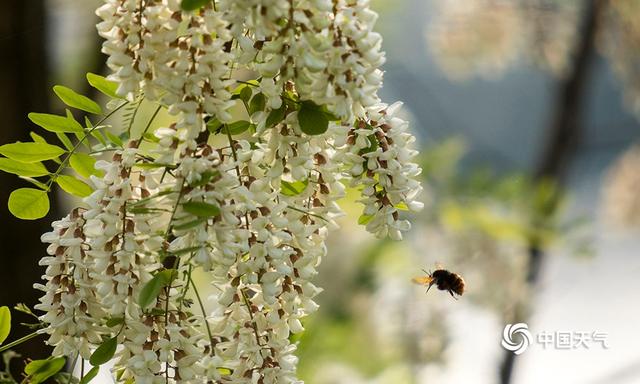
{"x": 19, "y": 341}
{"x": 80, "y": 141}
{"x": 204, "y": 314}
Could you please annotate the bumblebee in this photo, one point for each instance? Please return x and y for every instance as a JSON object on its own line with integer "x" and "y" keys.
{"x": 443, "y": 280}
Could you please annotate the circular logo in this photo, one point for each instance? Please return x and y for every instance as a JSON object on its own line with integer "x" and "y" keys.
{"x": 519, "y": 331}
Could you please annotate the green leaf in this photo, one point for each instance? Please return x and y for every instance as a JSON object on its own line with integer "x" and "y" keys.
{"x": 276, "y": 116}
{"x": 293, "y": 189}
{"x": 200, "y": 208}
{"x": 245, "y": 94}
{"x": 257, "y": 103}
{"x": 31, "y": 152}
{"x": 76, "y": 100}
{"x": 37, "y": 183}
{"x": 83, "y": 164}
{"x": 192, "y": 5}
{"x": 311, "y": 119}
{"x": 104, "y": 352}
{"x": 189, "y": 224}
{"x": 237, "y": 127}
{"x": 5, "y": 323}
{"x": 37, "y": 138}
{"x": 23, "y": 169}
{"x": 373, "y": 145}
{"x": 401, "y": 206}
{"x": 103, "y": 85}
{"x": 224, "y": 371}
{"x": 112, "y": 322}
{"x": 64, "y": 139}
{"x": 364, "y": 219}
{"x": 93, "y": 372}
{"x": 40, "y": 370}
{"x": 55, "y": 123}
{"x": 205, "y": 178}
{"x": 213, "y": 125}
{"x": 29, "y": 203}
{"x": 114, "y": 139}
{"x": 153, "y": 287}
{"x": 74, "y": 186}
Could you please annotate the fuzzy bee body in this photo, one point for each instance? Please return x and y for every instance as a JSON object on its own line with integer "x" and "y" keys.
{"x": 443, "y": 280}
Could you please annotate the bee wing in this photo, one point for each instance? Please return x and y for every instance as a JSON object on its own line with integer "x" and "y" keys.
{"x": 422, "y": 280}
{"x": 439, "y": 266}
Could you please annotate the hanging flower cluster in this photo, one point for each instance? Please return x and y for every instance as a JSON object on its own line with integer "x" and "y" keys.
{"x": 272, "y": 112}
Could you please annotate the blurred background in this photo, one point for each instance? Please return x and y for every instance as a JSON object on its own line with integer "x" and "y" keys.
{"x": 527, "y": 114}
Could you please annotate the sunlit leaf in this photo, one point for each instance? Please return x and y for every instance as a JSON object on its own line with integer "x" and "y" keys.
{"x": 76, "y": 100}
{"x": 23, "y": 169}
{"x": 364, "y": 219}
{"x": 40, "y": 370}
{"x": 74, "y": 186}
{"x": 5, "y": 323}
{"x": 55, "y": 123}
{"x": 31, "y": 152}
{"x": 28, "y": 203}
{"x": 293, "y": 188}
{"x": 103, "y": 85}
{"x": 83, "y": 164}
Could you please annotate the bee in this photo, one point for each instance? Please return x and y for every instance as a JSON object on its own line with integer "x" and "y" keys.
{"x": 443, "y": 280}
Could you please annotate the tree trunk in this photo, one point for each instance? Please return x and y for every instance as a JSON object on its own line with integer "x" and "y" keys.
{"x": 563, "y": 137}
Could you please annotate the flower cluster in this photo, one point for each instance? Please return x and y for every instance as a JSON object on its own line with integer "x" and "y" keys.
{"x": 242, "y": 186}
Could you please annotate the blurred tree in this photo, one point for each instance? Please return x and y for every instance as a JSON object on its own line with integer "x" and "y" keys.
{"x": 24, "y": 88}
{"x": 563, "y": 136}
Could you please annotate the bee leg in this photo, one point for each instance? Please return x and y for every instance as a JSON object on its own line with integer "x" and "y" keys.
{"x": 451, "y": 293}
{"x": 429, "y": 287}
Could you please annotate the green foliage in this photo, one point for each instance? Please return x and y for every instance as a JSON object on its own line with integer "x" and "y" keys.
{"x": 257, "y": 103}
{"x": 29, "y": 203}
{"x": 201, "y": 209}
{"x": 38, "y": 371}
{"x": 153, "y": 287}
{"x": 104, "y": 352}
{"x": 93, "y": 372}
{"x": 112, "y": 322}
{"x": 23, "y": 169}
{"x": 5, "y": 323}
{"x": 73, "y": 186}
{"x": 192, "y": 5}
{"x": 276, "y": 115}
{"x": 84, "y": 164}
{"x": 313, "y": 121}
{"x": 103, "y": 85}
{"x": 31, "y": 152}
{"x": 213, "y": 125}
{"x": 237, "y": 127}
{"x": 293, "y": 188}
{"x": 364, "y": 219}
{"x": 76, "y": 100}
{"x": 55, "y": 123}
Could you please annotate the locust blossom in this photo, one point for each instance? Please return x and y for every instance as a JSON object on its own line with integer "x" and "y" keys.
{"x": 239, "y": 184}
